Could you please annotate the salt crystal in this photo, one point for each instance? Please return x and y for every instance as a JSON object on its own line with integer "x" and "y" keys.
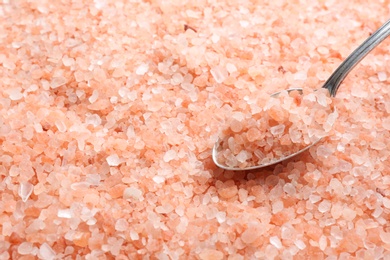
{"x": 321, "y": 99}
{"x": 142, "y": 69}
{"x": 322, "y": 242}
{"x": 121, "y": 225}
{"x": 323, "y": 50}
{"x": 182, "y": 226}
{"x": 385, "y": 236}
{"x": 289, "y": 189}
{"x": 93, "y": 179}
{"x": 134, "y": 235}
{"x": 244, "y": 23}
{"x": 177, "y": 79}
{"x": 221, "y": 216}
{"x": 377, "y": 212}
{"x": 277, "y": 206}
{"x": 94, "y": 96}
{"x": 275, "y": 241}
{"x": 332, "y": 118}
{"x": 219, "y": 74}
{"x": 215, "y": 38}
{"x": 236, "y": 125}
{"x": 158, "y": 179}
{"x": 336, "y": 185}
{"x": 378, "y": 145}
{"x": 324, "y": 151}
{"x": 169, "y": 155}
{"x": 349, "y": 214}
{"x": 300, "y": 75}
{"x": 46, "y": 252}
{"x": 344, "y": 166}
{"x": 165, "y": 209}
{"x": 242, "y": 156}
{"x": 132, "y": 193}
{"x": 287, "y": 232}
{"x": 64, "y": 213}
{"x": 113, "y": 160}
{"x": 295, "y": 135}
{"x": 253, "y": 232}
{"x": 386, "y": 203}
{"x": 231, "y": 68}
{"x": 324, "y": 206}
{"x": 336, "y": 232}
{"x": 386, "y": 123}
{"x": 277, "y": 130}
{"x": 382, "y": 76}
{"x": 67, "y": 61}
{"x": 25, "y": 190}
{"x": 314, "y": 198}
{"x": 93, "y": 119}
{"x": 193, "y": 14}
{"x": 58, "y": 82}
{"x": 208, "y": 254}
{"x": 300, "y": 244}
{"x": 61, "y": 126}
{"x": 25, "y": 248}
{"x": 15, "y": 93}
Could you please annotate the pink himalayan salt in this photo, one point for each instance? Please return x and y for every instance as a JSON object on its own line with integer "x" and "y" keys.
{"x": 32, "y": 58}
{"x": 253, "y": 232}
{"x": 25, "y": 190}
{"x": 46, "y": 252}
{"x": 25, "y": 248}
{"x": 288, "y": 124}
{"x": 211, "y": 254}
{"x": 113, "y": 160}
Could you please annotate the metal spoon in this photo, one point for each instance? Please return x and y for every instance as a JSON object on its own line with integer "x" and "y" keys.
{"x": 332, "y": 84}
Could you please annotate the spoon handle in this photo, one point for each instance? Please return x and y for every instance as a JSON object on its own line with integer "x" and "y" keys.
{"x": 334, "y": 81}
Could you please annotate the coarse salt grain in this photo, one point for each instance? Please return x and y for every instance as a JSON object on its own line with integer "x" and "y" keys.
{"x": 385, "y": 236}
{"x": 95, "y": 95}
{"x": 57, "y": 82}
{"x": 132, "y": 193}
{"x": 323, "y": 243}
{"x": 158, "y": 179}
{"x": 275, "y": 241}
{"x": 277, "y": 207}
{"x": 324, "y": 206}
{"x": 382, "y": 76}
{"x": 113, "y": 160}
{"x": 64, "y": 213}
{"x": 209, "y": 254}
{"x": 170, "y": 155}
{"x": 142, "y": 69}
{"x": 219, "y": 74}
{"x": 25, "y": 248}
{"x": 61, "y": 126}
{"x": 231, "y": 68}
{"x": 46, "y": 252}
{"x": 300, "y": 244}
{"x": 15, "y": 93}
{"x": 134, "y": 235}
{"x": 25, "y": 190}
{"x": 121, "y": 225}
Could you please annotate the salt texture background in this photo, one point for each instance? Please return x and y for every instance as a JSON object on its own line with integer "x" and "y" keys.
{"x": 109, "y": 111}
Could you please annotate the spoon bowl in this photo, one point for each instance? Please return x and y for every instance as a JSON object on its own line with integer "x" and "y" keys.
{"x": 217, "y": 144}
{"x": 332, "y": 85}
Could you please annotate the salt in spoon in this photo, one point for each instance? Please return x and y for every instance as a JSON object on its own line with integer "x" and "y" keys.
{"x": 332, "y": 84}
